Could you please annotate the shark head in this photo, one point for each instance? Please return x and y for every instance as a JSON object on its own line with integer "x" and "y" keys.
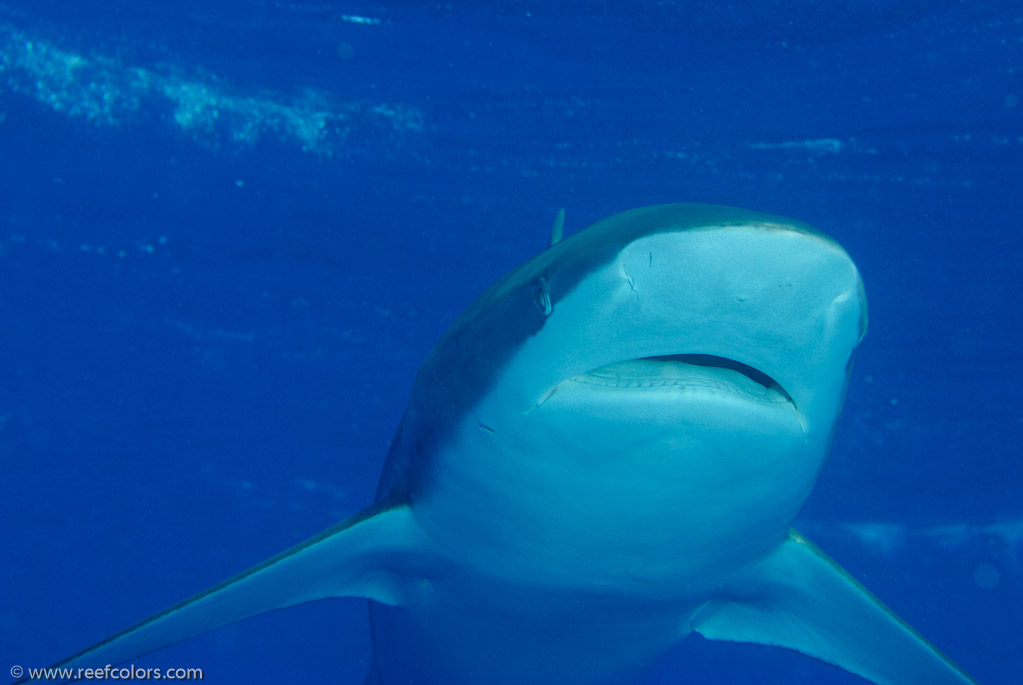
{"x": 671, "y": 369}
{"x": 602, "y": 455}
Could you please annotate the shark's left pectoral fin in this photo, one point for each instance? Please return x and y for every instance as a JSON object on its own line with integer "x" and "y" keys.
{"x": 376, "y": 554}
{"x": 800, "y": 599}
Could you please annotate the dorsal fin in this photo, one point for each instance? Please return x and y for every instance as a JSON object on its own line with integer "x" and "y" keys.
{"x": 559, "y": 226}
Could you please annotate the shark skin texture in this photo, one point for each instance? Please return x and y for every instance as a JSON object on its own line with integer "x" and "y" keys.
{"x": 603, "y": 454}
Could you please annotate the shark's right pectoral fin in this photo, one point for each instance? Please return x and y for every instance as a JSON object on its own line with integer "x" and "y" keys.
{"x": 800, "y": 599}
{"x": 376, "y": 554}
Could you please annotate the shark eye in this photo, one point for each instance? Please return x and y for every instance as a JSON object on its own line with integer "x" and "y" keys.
{"x": 542, "y": 297}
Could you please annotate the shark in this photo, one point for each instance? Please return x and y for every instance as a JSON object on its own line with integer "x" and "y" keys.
{"x": 602, "y": 455}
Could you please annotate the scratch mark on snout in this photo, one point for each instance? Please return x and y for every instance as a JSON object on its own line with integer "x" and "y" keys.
{"x": 632, "y": 283}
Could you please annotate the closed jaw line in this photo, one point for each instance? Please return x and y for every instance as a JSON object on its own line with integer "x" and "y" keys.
{"x": 683, "y": 371}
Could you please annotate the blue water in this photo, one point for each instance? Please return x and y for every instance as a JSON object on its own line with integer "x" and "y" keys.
{"x": 230, "y": 231}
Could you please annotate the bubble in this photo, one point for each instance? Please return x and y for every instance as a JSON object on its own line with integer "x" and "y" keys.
{"x": 986, "y": 576}
{"x": 345, "y": 50}
{"x": 1011, "y": 101}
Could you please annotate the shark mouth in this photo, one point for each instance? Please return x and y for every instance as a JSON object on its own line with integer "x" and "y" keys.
{"x": 688, "y": 371}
